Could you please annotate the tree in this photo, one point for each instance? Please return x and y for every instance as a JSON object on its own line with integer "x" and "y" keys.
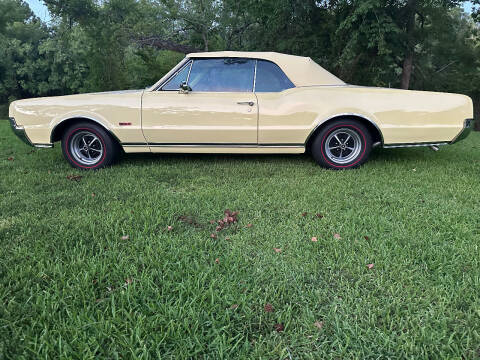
{"x": 194, "y": 16}
{"x": 21, "y": 72}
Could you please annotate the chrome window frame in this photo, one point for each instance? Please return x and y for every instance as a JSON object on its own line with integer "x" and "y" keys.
{"x": 190, "y": 62}
{"x": 255, "y": 76}
{"x": 231, "y": 57}
{"x": 183, "y": 66}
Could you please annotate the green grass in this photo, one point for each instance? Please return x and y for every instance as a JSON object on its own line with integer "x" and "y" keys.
{"x": 71, "y": 287}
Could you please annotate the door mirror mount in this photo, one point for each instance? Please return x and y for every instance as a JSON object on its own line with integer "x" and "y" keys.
{"x": 184, "y": 88}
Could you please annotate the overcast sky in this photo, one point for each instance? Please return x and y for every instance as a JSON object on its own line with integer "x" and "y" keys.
{"x": 41, "y": 10}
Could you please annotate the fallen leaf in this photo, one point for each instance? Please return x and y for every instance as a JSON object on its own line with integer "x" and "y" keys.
{"x": 366, "y": 237}
{"x": 227, "y": 238}
{"x": 370, "y": 266}
{"x": 93, "y": 194}
{"x": 268, "y": 308}
{"x": 319, "y": 216}
{"x": 169, "y": 228}
{"x": 74, "y": 177}
{"x": 190, "y": 220}
{"x": 125, "y": 237}
{"x": 337, "y": 236}
{"x": 277, "y": 250}
{"x": 128, "y": 281}
{"x": 249, "y": 225}
{"x": 279, "y": 327}
{"x": 234, "y": 306}
{"x": 318, "y": 324}
{"x": 213, "y": 236}
{"x": 11, "y": 158}
{"x": 304, "y": 214}
{"x": 217, "y": 260}
{"x": 314, "y": 239}
{"x": 229, "y": 219}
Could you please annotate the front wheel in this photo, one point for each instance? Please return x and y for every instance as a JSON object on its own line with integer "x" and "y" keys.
{"x": 342, "y": 144}
{"x": 88, "y": 146}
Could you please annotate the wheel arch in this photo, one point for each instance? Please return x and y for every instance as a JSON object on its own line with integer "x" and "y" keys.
{"x": 59, "y": 129}
{"x": 372, "y": 127}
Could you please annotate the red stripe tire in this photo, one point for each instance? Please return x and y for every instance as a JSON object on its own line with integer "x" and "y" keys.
{"x": 342, "y": 144}
{"x": 88, "y": 146}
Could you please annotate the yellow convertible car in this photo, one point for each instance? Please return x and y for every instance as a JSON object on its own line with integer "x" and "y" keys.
{"x": 243, "y": 102}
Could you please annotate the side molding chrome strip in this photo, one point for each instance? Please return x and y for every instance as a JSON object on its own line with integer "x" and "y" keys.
{"x": 394, "y": 146}
{"x": 218, "y": 145}
{"x": 43, "y": 146}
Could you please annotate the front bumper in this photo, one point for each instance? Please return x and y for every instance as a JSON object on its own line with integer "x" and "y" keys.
{"x": 467, "y": 129}
{"x": 19, "y": 131}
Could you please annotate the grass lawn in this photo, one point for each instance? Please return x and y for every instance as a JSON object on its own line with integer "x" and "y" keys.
{"x": 89, "y": 268}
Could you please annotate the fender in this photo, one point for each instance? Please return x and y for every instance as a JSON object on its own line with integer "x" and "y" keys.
{"x": 79, "y": 116}
{"x": 321, "y": 123}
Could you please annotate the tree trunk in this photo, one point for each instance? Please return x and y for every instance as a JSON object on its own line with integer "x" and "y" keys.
{"x": 476, "y": 112}
{"x": 205, "y": 40}
{"x": 407, "y": 69}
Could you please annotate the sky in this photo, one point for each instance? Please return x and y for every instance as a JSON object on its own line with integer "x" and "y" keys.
{"x": 41, "y": 10}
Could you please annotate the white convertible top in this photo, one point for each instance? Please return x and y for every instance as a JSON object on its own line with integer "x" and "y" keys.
{"x": 302, "y": 71}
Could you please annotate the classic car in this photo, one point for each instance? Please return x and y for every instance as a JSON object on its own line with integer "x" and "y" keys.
{"x": 243, "y": 102}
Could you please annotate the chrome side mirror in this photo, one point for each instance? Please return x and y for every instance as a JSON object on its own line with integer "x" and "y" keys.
{"x": 184, "y": 88}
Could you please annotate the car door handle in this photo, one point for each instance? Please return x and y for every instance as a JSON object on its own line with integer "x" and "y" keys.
{"x": 249, "y": 103}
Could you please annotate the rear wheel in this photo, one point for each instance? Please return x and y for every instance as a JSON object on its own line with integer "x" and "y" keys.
{"x": 342, "y": 144}
{"x": 88, "y": 146}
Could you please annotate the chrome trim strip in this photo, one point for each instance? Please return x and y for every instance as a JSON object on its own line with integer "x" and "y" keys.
{"x": 189, "y": 70}
{"x": 219, "y": 145}
{"x": 43, "y": 146}
{"x": 345, "y": 114}
{"x": 394, "y": 146}
{"x": 255, "y": 76}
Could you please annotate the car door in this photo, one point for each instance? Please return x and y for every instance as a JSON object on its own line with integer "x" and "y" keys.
{"x": 220, "y": 108}
{"x": 283, "y": 118}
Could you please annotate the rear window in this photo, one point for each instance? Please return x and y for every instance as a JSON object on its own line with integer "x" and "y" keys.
{"x": 270, "y": 78}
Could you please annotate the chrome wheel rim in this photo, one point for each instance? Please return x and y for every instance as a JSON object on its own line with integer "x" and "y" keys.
{"x": 86, "y": 147}
{"x": 343, "y": 145}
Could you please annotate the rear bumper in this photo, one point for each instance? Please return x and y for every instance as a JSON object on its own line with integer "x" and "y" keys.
{"x": 467, "y": 129}
{"x": 22, "y": 135}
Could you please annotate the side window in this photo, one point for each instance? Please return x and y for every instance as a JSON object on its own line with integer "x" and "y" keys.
{"x": 178, "y": 78}
{"x": 270, "y": 78}
{"x": 222, "y": 75}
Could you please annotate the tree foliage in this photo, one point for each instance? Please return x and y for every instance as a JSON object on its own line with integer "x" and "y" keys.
{"x": 94, "y": 45}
